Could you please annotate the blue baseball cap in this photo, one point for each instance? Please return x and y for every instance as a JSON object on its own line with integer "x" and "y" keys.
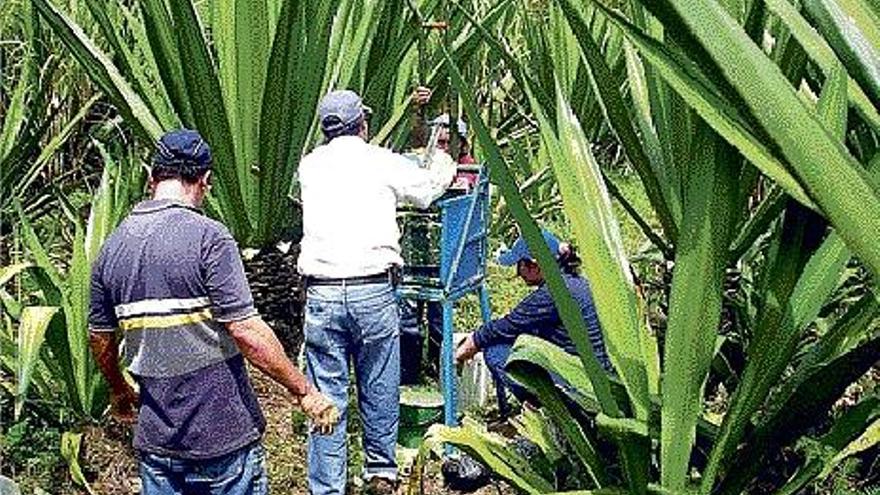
{"x": 443, "y": 120}
{"x": 183, "y": 148}
{"x": 520, "y": 250}
{"x": 340, "y": 109}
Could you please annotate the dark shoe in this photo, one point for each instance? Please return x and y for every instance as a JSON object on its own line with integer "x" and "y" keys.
{"x": 464, "y": 473}
{"x": 380, "y": 486}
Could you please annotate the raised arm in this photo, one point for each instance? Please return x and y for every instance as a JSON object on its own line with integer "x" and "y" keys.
{"x": 418, "y": 136}
{"x": 416, "y": 185}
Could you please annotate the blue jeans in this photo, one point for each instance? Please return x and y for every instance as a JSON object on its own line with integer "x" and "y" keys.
{"x": 240, "y": 473}
{"x": 495, "y": 357}
{"x": 361, "y": 323}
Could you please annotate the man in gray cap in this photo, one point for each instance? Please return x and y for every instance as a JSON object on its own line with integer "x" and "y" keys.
{"x": 172, "y": 280}
{"x": 350, "y": 251}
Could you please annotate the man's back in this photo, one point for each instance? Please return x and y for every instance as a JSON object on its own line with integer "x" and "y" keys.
{"x": 349, "y": 226}
{"x": 169, "y": 278}
{"x": 172, "y": 281}
{"x": 350, "y": 191}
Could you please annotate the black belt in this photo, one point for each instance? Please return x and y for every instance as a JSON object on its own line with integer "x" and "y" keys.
{"x": 378, "y": 278}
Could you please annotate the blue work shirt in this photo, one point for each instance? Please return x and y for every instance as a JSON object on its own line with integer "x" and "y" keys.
{"x": 170, "y": 279}
{"x": 537, "y": 315}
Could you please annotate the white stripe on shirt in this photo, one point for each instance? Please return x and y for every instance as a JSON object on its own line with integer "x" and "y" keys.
{"x": 159, "y": 306}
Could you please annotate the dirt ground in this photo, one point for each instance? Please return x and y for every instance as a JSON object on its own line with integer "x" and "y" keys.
{"x": 110, "y": 465}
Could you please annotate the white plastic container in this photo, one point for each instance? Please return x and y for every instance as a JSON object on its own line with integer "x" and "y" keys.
{"x": 475, "y": 388}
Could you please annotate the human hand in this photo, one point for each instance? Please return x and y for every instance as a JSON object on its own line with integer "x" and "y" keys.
{"x": 421, "y": 95}
{"x": 466, "y": 350}
{"x": 124, "y": 403}
{"x": 564, "y": 248}
{"x": 464, "y": 182}
{"x": 320, "y": 410}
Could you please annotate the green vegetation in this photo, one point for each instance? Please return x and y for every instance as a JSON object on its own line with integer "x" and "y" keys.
{"x": 715, "y": 162}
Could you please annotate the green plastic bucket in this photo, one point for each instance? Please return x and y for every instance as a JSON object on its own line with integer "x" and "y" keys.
{"x": 420, "y": 407}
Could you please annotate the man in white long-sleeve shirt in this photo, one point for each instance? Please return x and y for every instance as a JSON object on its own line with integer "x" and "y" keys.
{"x": 350, "y": 250}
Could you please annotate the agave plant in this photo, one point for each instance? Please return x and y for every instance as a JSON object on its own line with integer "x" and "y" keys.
{"x": 49, "y": 348}
{"x": 248, "y": 76}
{"x": 39, "y": 114}
{"x": 701, "y": 130}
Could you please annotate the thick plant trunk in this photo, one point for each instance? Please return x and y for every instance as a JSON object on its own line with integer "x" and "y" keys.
{"x": 278, "y": 294}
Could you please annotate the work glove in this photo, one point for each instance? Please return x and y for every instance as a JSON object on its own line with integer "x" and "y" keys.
{"x": 443, "y": 167}
{"x": 320, "y": 410}
{"x": 421, "y": 96}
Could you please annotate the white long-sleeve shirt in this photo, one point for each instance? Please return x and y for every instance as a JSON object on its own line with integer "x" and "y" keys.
{"x": 350, "y": 191}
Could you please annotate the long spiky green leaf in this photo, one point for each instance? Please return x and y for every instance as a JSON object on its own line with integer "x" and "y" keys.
{"x": 618, "y": 117}
{"x": 718, "y": 112}
{"x": 695, "y": 299}
{"x": 212, "y": 121}
{"x": 823, "y": 55}
{"x": 793, "y": 282}
{"x": 160, "y": 30}
{"x": 836, "y": 181}
{"x": 101, "y": 69}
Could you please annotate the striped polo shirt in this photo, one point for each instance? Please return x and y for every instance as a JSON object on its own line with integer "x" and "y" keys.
{"x": 169, "y": 278}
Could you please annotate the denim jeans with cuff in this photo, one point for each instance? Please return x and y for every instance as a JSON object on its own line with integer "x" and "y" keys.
{"x": 241, "y": 472}
{"x": 358, "y": 323}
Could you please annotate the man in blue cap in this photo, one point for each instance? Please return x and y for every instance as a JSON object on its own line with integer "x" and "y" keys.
{"x": 535, "y": 315}
{"x": 349, "y": 254}
{"x": 172, "y": 281}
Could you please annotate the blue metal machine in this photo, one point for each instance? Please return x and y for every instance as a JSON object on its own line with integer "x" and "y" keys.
{"x": 445, "y": 251}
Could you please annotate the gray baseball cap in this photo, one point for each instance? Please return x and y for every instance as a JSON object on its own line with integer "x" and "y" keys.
{"x": 341, "y": 108}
